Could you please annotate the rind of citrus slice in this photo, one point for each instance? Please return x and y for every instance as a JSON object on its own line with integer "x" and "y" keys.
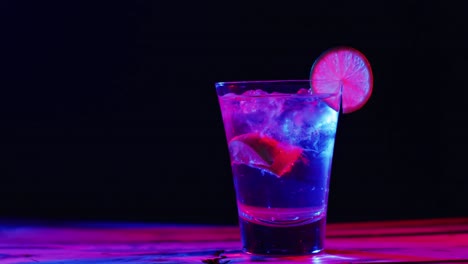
{"x": 260, "y": 151}
{"x": 345, "y": 69}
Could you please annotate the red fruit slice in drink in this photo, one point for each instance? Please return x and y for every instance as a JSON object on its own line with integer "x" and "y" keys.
{"x": 260, "y": 151}
{"x": 345, "y": 69}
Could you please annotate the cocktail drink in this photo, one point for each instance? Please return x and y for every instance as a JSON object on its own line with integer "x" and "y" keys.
{"x": 281, "y": 136}
{"x": 281, "y": 140}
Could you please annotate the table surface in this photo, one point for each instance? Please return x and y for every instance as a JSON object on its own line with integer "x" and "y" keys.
{"x": 417, "y": 241}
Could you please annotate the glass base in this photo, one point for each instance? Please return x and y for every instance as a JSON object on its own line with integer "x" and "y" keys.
{"x": 283, "y": 241}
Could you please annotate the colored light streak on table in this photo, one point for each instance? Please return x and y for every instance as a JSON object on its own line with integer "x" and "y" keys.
{"x": 419, "y": 241}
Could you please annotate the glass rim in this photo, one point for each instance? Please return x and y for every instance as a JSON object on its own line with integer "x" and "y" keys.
{"x": 262, "y": 81}
{"x": 278, "y": 83}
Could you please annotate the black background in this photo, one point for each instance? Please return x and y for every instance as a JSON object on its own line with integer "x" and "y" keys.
{"x": 108, "y": 109}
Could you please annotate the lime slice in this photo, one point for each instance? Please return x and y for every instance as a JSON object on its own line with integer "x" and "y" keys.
{"x": 345, "y": 69}
{"x": 260, "y": 151}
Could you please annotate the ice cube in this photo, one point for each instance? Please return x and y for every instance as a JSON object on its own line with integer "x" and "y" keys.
{"x": 258, "y": 112}
{"x": 257, "y": 92}
{"x": 296, "y": 121}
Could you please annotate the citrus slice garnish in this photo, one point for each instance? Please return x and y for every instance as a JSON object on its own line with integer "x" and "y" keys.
{"x": 343, "y": 69}
{"x": 260, "y": 151}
